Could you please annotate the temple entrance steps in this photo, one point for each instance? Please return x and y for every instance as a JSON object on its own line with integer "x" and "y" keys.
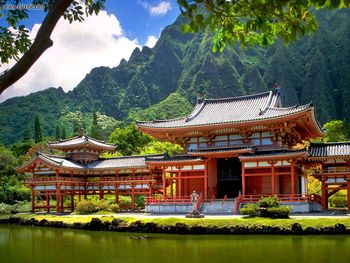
{"x": 218, "y": 207}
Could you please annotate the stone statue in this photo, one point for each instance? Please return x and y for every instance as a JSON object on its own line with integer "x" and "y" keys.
{"x": 194, "y": 200}
{"x": 195, "y": 212}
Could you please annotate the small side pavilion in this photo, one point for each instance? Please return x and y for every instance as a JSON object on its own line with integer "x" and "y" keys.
{"x": 81, "y": 172}
{"x": 330, "y": 163}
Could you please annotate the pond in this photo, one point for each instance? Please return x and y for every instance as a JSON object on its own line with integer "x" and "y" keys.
{"x": 38, "y": 244}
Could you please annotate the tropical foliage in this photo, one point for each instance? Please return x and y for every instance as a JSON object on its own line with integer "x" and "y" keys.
{"x": 255, "y": 21}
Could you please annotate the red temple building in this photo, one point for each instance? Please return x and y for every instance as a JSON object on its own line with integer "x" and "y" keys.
{"x": 236, "y": 151}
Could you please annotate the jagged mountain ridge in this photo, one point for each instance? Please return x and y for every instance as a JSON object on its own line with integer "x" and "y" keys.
{"x": 315, "y": 68}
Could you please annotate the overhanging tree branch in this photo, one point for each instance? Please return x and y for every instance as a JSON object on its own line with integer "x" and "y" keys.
{"x": 41, "y": 43}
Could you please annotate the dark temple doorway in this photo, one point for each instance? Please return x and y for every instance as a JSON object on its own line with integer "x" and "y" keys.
{"x": 229, "y": 177}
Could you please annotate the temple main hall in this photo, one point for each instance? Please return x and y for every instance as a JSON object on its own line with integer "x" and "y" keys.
{"x": 237, "y": 150}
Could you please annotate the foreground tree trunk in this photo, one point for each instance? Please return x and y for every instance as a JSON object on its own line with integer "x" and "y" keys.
{"x": 41, "y": 43}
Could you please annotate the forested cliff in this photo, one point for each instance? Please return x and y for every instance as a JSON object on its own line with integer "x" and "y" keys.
{"x": 163, "y": 82}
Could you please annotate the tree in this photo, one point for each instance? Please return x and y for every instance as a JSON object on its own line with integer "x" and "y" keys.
{"x": 58, "y": 134}
{"x": 11, "y": 189}
{"x": 95, "y": 128}
{"x": 129, "y": 140}
{"x": 37, "y": 130}
{"x": 335, "y": 131}
{"x": 161, "y": 147}
{"x": 253, "y": 21}
{"x": 63, "y": 133}
{"x": 14, "y": 39}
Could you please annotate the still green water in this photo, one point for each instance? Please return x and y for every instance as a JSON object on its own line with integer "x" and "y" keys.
{"x": 35, "y": 244}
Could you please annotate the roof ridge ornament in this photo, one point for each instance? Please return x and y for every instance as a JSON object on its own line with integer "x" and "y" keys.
{"x": 268, "y": 103}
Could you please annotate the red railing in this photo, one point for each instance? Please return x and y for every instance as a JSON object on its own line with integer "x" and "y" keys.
{"x": 106, "y": 179}
{"x": 169, "y": 200}
{"x": 211, "y": 199}
{"x": 281, "y": 198}
{"x": 223, "y": 200}
{"x": 129, "y": 178}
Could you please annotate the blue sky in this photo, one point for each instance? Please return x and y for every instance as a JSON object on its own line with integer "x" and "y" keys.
{"x": 101, "y": 40}
{"x": 135, "y": 16}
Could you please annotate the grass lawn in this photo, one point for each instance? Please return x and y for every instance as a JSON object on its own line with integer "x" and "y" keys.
{"x": 315, "y": 222}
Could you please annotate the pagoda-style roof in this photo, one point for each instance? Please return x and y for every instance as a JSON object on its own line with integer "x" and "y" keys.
{"x": 82, "y": 142}
{"x": 331, "y": 149}
{"x": 60, "y": 162}
{"x": 274, "y": 155}
{"x": 257, "y": 109}
{"x": 180, "y": 159}
{"x": 222, "y": 151}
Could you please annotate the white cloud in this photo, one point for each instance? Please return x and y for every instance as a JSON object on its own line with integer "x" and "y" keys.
{"x": 151, "y": 41}
{"x": 157, "y": 10}
{"x": 78, "y": 47}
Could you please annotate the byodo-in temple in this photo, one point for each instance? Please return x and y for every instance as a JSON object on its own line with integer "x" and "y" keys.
{"x": 236, "y": 151}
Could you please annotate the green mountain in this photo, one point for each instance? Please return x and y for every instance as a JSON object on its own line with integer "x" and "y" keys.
{"x": 164, "y": 81}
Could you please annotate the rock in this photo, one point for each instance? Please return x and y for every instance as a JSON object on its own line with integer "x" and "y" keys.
{"x": 116, "y": 222}
{"x": 297, "y": 228}
{"x": 43, "y": 222}
{"x": 181, "y": 228}
{"x": 311, "y": 230}
{"x": 95, "y": 224}
{"x": 135, "y": 226}
{"x": 76, "y": 225}
{"x": 150, "y": 227}
{"x": 198, "y": 230}
{"x": 339, "y": 228}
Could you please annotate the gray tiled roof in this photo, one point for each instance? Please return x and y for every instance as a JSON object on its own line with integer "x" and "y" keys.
{"x": 264, "y": 154}
{"x": 81, "y": 140}
{"x": 117, "y": 163}
{"x": 174, "y": 158}
{"x": 223, "y": 149}
{"x": 261, "y": 106}
{"x": 120, "y": 162}
{"x": 329, "y": 149}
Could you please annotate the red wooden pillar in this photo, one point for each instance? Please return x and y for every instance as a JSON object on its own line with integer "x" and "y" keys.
{"x": 57, "y": 198}
{"x": 185, "y": 188}
{"x": 33, "y": 199}
{"x": 292, "y": 178}
{"x": 57, "y": 193}
{"x": 206, "y": 180}
{"x": 243, "y": 179}
{"x": 72, "y": 200}
{"x": 348, "y": 189}
{"x": 116, "y": 193}
{"x": 164, "y": 184}
{"x": 133, "y": 196}
{"x": 324, "y": 195}
{"x": 272, "y": 179}
{"x": 48, "y": 203}
{"x": 180, "y": 182}
{"x": 150, "y": 185}
{"x": 101, "y": 193}
{"x": 171, "y": 185}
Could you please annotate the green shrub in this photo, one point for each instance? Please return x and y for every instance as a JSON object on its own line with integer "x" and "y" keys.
{"x": 102, "y": 205}
{"x": 279, "y": 212}
{"x": 140, "y": 200}
{"x": 5, "y": 209}
{"x": 249, "y": 209}
{"x": 338, "y": 201}
{"x": 268, "y": 202}
{"x": 87, "y": 207}
{"x": 124, "y": 200}
{"x": 114, "y": 208}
